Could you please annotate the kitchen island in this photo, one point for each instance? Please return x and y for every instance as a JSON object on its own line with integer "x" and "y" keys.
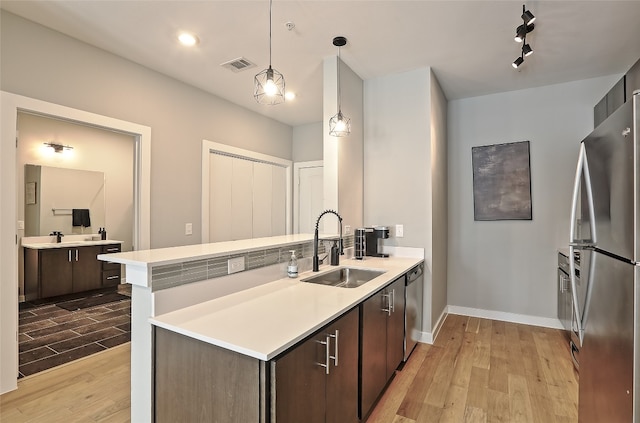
{"x": 255, "y": 314}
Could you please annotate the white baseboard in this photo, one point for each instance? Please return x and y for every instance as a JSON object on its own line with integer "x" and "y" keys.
{"x": 430, "y": 337}
{"x": 506, "y": 317}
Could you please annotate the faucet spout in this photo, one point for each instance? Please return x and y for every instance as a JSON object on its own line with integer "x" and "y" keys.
{"x": 316, "y": 261}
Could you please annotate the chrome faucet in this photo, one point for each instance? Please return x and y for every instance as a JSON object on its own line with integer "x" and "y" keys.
{"x": 316, "y": 261}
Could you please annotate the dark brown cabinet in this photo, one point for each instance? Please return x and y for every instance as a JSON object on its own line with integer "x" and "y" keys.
{"x": 317, "y": 381}
{"x": 111, "y": 272}
{"x": 56, "y": 272}
{"x": 50, "y": 272}
{"x": 382, "y": 339}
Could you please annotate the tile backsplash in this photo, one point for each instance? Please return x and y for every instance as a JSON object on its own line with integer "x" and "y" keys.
{"x": 172, "y": 275}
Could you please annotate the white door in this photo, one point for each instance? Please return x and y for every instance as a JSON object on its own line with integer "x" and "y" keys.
{"x": 310, "y": 198}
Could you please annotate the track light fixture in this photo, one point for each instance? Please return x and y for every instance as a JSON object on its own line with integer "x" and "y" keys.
{"x": 516, "y": 63}
{"x": 522, "y": 31}
{"x": 269, "y": 84}
{"x": 528, "y": 17}
{"x": 521, "y": 36}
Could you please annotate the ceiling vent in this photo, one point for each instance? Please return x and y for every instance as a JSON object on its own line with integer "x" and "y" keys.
{"x": 238, "y": 65}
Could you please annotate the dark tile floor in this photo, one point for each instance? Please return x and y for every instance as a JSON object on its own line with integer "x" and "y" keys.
{"x": 50, "y": 335}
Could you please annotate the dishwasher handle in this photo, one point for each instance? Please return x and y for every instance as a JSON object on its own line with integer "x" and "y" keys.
{"x": 415, "y": 273}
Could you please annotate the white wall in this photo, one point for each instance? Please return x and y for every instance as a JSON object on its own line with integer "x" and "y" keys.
{"x": 405, "y": 171}
{"x": 510, "y": 266}
{"x": 343, "y": 156}
{"x": 439, "y": 204}
{"x": 307, "y": 141}
{"x": 46, "y": 65}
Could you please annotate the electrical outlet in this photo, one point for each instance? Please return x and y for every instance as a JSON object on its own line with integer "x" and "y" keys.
{"x": 235, "y": 265}
{"x": 399, "y": 231}
{"x": 20, "y": 225}
{"x": 347, "y": 229}
{"x": 188, "y": 229}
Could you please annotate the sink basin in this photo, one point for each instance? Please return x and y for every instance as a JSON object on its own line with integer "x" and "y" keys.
{"x": 345, "y": 277}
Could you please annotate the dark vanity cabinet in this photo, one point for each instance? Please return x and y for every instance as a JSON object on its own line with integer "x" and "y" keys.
{"x": 111, "y": 272}
{"x": 50, "y": 272}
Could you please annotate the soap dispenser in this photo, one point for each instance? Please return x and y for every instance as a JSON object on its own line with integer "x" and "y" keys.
{"x": 335, "y": 255}
{"x": 292, "y": 268}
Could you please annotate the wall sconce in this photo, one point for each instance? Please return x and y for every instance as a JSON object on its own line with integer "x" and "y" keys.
{"x": 58, "y": 148}
{"x": 521, "y": 36}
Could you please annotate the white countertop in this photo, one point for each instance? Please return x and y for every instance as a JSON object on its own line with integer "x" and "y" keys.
{"x": 68, "y": 244}
{"x": 264, "y": 321}
{"x": 171, "y": 255}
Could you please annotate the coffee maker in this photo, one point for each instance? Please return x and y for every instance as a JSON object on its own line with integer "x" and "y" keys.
{"x": 370, "y": 238}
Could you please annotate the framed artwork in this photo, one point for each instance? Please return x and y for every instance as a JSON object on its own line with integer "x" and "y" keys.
{"x": 501, "y": 182}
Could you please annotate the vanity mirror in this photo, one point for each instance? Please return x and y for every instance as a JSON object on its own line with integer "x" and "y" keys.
{"x": 51, "y": 195}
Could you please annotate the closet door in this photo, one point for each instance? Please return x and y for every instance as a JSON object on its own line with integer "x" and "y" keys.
{"x": 278, "y": 201}
{"x": 262, "y": 199}
{"x": 242, "y": 199}
{"x": 220, "y": 197}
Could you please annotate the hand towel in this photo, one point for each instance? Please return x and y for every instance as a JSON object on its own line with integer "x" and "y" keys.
{"x": 81, "y": 217}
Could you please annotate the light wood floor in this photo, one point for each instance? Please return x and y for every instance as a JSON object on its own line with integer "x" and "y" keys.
{"x": 477, "y": 371}
{"x": 93, "y": 389}
{"x": 484, "y": 371}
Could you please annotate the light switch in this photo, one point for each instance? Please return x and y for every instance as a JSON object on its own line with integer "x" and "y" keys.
{"x": 20, "y": 225}
{"x": 188, "y": 229}
{"x": 399, "y": 231}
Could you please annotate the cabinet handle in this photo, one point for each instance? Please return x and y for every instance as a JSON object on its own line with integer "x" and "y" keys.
{"x": 327, "y": 354}
{"x": 392, "y": 302}
{"x": 76, "y": 254}
{"x": 110, "y": 278}
{"x": 112, "y": 250}
{"x": 69, "y": 256}
{"x": 389, "y": 307}
{"x": 335, "y": 348}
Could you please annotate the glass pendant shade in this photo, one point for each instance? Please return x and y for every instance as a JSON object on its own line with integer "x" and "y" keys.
{"x": 269, "y": 87}
{"x": 339, "y": 125}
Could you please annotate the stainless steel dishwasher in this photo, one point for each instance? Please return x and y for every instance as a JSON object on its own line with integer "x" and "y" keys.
{"x": 413, "y": 312}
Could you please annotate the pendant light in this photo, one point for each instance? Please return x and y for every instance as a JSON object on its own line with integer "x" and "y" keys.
{"x": 269, "y": 84}
{"x": 339, "y": 124}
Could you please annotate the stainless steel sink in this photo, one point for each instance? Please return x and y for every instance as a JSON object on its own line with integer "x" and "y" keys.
{"x": 345, "y": 277}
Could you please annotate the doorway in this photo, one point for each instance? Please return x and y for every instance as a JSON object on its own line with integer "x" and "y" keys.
{"x": 11, "y": 104}
{"x": 307, "y": 196}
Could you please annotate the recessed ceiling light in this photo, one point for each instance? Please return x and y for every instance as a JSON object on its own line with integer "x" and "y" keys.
{"x": 290, "y": 95}
{"x": 187, "y": 39}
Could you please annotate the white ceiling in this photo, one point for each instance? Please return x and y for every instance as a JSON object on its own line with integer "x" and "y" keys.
{"x": 469, "y": 44}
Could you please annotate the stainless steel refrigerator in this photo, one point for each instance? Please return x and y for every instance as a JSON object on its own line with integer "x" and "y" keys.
{"x": 605, "y": 230}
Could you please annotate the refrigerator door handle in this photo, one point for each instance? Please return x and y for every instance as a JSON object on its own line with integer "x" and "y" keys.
{"x": 581, "y": 170}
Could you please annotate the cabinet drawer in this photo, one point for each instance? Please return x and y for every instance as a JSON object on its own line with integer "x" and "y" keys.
{"x": 111, "y": 277}
{"x": 109, "y": 249}
{"x": 109, "y": 265}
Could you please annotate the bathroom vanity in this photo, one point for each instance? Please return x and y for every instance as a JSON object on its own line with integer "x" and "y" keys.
{"x": 52, "y": 269}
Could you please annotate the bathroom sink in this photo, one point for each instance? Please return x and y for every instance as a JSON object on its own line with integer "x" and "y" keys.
{"x": 345, "y": 277}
